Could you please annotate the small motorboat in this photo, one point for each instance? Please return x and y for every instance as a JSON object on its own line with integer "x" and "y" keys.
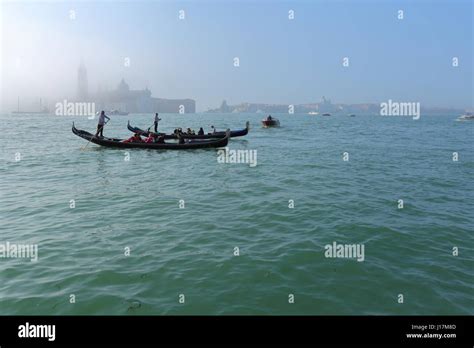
{"x": 315, "y": 113}
{"x": 326, "y": 114}
{"x": 114, "y": 113}
{"x": 467, "y": 117}
{"x": 118, "y": 112}
{"x": 270, "y": 122}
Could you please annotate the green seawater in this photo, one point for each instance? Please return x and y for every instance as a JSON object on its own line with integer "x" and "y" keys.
{"x": 134, "y": 204}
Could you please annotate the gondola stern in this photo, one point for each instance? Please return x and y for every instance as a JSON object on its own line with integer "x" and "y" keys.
{"x": 227, "y": 137}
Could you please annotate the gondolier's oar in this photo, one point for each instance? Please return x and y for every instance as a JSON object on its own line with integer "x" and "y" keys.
{"x": 84, "y": 147}
{"x": 159, "y": 119}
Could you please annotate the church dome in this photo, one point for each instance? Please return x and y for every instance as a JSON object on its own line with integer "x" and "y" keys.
{"x": 123, "y": 86}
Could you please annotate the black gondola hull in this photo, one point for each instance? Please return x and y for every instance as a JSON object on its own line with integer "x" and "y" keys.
{"x": 118, "y": 143}
{"x": 216, "y": 135}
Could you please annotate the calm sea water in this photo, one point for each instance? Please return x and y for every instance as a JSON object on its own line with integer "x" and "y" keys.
{"x": 135, "y": 204}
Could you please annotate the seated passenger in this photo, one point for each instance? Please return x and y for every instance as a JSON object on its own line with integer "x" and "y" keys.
{"x": 136, "y": 138}
{"x": 160, "y": 139}
{"x": 151, "y": 138}
{"x": 201, "y": 131}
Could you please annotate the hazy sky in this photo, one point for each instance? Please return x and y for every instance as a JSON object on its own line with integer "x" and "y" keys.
{"x": 281, "y": 60}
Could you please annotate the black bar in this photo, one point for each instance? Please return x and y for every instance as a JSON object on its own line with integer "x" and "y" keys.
{"x": 139, "y": 330}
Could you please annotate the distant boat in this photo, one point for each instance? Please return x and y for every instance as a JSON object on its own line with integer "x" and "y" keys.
{"x": 326, "y": 114}
{"x": 118, "y": 112}
{"x": 270, "y": 122}
{"x": 313, "y": 113}
{"x": 352, "y": 115}
{"x": 466, "y": 117}
{"x": 42, "y": 111}
{"x": 114, "y": 113}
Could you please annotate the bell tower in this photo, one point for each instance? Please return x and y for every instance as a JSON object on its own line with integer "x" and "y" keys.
{"x": 82, "y": 93}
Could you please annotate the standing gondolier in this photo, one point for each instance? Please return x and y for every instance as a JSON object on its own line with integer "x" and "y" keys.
{"x": 100, "y": 125}
{"x": 157, "y": 119}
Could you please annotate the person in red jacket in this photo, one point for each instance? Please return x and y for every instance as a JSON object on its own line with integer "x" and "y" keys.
{"x": 136, "y": 138}
{"x": 151, "y": 138}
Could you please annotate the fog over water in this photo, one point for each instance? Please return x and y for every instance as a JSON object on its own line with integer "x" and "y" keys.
{"x": 281, "y": 60}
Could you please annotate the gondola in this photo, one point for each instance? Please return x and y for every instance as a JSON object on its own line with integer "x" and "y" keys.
{"x": 118, "y": 143}
{"x": 233, "y": 134}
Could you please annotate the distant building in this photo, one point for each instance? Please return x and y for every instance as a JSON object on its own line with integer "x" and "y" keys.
{"x": 82, "y": 92}
{"x": 132, "y": 101}
{"x": 138, "y": 101}
{"x": 326, "y": 106}
{"x": 224, "y": 107}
